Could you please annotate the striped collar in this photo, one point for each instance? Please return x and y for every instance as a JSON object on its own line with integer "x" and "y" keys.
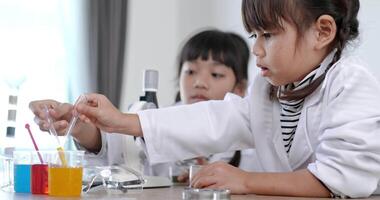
{"x": 317, "y": 72}
{"x": 291, "y": 109}
{"x": 300, "y": 84}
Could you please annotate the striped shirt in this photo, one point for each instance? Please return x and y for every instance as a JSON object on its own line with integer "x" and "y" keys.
{"x": 291, "y": 110}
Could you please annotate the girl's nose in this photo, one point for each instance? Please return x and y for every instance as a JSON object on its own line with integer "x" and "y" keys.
{"x": 257, "y": 50}
{"x": 200, "y": 84}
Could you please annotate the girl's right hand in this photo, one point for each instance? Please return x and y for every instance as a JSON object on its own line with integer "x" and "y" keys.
{"x": 86, "y": 134}
{"x": 221, "y": 175}
{"x": 101, "y": 112}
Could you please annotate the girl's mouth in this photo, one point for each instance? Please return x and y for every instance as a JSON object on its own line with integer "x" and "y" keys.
{"x": 199, "y": 98}
{"x": 264, "y": 71}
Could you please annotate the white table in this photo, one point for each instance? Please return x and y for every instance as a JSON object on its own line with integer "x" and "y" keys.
{"x": 174, "y": 193}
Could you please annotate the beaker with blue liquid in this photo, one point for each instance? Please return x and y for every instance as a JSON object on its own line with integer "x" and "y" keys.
{"x": 22, "y": 171}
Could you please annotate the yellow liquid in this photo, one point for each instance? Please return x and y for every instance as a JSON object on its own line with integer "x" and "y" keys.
{"x": 65, "y": 181}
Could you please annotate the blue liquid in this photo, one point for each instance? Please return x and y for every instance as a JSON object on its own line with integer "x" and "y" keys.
{"x": 22, "y": 178}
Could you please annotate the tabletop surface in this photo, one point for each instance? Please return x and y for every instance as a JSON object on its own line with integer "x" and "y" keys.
{"x": 157, "y": 194}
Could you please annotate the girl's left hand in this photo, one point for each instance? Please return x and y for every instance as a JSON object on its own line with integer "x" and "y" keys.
{"x": 220, "y": 175}
{"x": 101, "y": 112}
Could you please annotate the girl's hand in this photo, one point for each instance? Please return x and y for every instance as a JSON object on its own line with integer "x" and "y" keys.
{"x": 184, "y": 177}
{"x": 60, "y": 113}
{"x": 220, "y": 175}
{"x": 101, "y": 112}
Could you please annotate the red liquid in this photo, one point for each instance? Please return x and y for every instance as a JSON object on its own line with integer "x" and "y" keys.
{"x": 40, "y": 179}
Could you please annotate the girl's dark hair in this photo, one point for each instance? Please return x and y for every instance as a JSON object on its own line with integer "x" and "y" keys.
{"x": 268, "y": 14}
{"x": 227, "y": 48}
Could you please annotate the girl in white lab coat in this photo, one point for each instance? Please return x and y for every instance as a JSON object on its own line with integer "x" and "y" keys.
{"x": 314, "y": 118}
{"x": 210, "y": 64}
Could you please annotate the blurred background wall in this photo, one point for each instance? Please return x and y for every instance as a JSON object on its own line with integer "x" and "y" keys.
{"x": 46, "y": 46}
{"x": 156, "y": 30}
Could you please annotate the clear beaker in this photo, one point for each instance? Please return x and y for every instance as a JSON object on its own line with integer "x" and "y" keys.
{"x": 175, "y": 171}
{"x": 193, "y": 169}
{"x": 6, "y": 170}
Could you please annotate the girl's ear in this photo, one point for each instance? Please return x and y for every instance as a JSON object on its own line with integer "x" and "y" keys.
{"x": 325, "y": 31}
{"x": 240, "y": 88}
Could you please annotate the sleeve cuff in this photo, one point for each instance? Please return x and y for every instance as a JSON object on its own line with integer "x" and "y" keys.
{"x": 95, "y": 158}
{"x": 148, "y": 137}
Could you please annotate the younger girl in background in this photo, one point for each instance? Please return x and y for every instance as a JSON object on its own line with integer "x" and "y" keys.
{"x": 313, "y": 114}
{"x": 211, "y": 64}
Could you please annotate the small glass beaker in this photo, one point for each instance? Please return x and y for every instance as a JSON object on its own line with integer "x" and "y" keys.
{"x": 65, "y": 177}
{"x": 22, "y": 161}
{"x": 6, "y": 170}
{"x": 193, "y": 169}
{"x": 40, "y": 171}
{"x": 177, "y": 170}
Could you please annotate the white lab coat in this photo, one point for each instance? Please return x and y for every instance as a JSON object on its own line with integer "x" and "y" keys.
{"x": 337, "y": 138}
{"x": 118, "y": 149}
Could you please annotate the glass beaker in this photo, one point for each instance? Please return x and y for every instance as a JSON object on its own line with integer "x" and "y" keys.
{"x": 65, "y": 178}
{"x": 40, "y": 172}
{"x": 6, "y": 170}
{"x": 22, "y": 161}
{"x": 193, "y": 169}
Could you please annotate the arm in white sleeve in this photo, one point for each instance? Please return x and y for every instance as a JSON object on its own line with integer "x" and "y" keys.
{"x": 98, "y": 158}
{"x": 200, "y": 129}
{"x": 348, "y": 156}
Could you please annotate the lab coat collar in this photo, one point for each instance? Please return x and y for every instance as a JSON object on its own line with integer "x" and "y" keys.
{"x": 316, "y": 96}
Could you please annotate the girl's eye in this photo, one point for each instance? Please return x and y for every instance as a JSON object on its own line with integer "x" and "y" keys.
{"x": 189, "y": 72}
{"x": 252, "y": 35}
{"x": 267, "y": 35}
{"x": 217, "y": 75}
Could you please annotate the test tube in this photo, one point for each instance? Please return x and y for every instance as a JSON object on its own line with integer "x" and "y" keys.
{"x": 81, "y": 99}
{"x": 52, "y": 130}
{"x": 51, "y": 125}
